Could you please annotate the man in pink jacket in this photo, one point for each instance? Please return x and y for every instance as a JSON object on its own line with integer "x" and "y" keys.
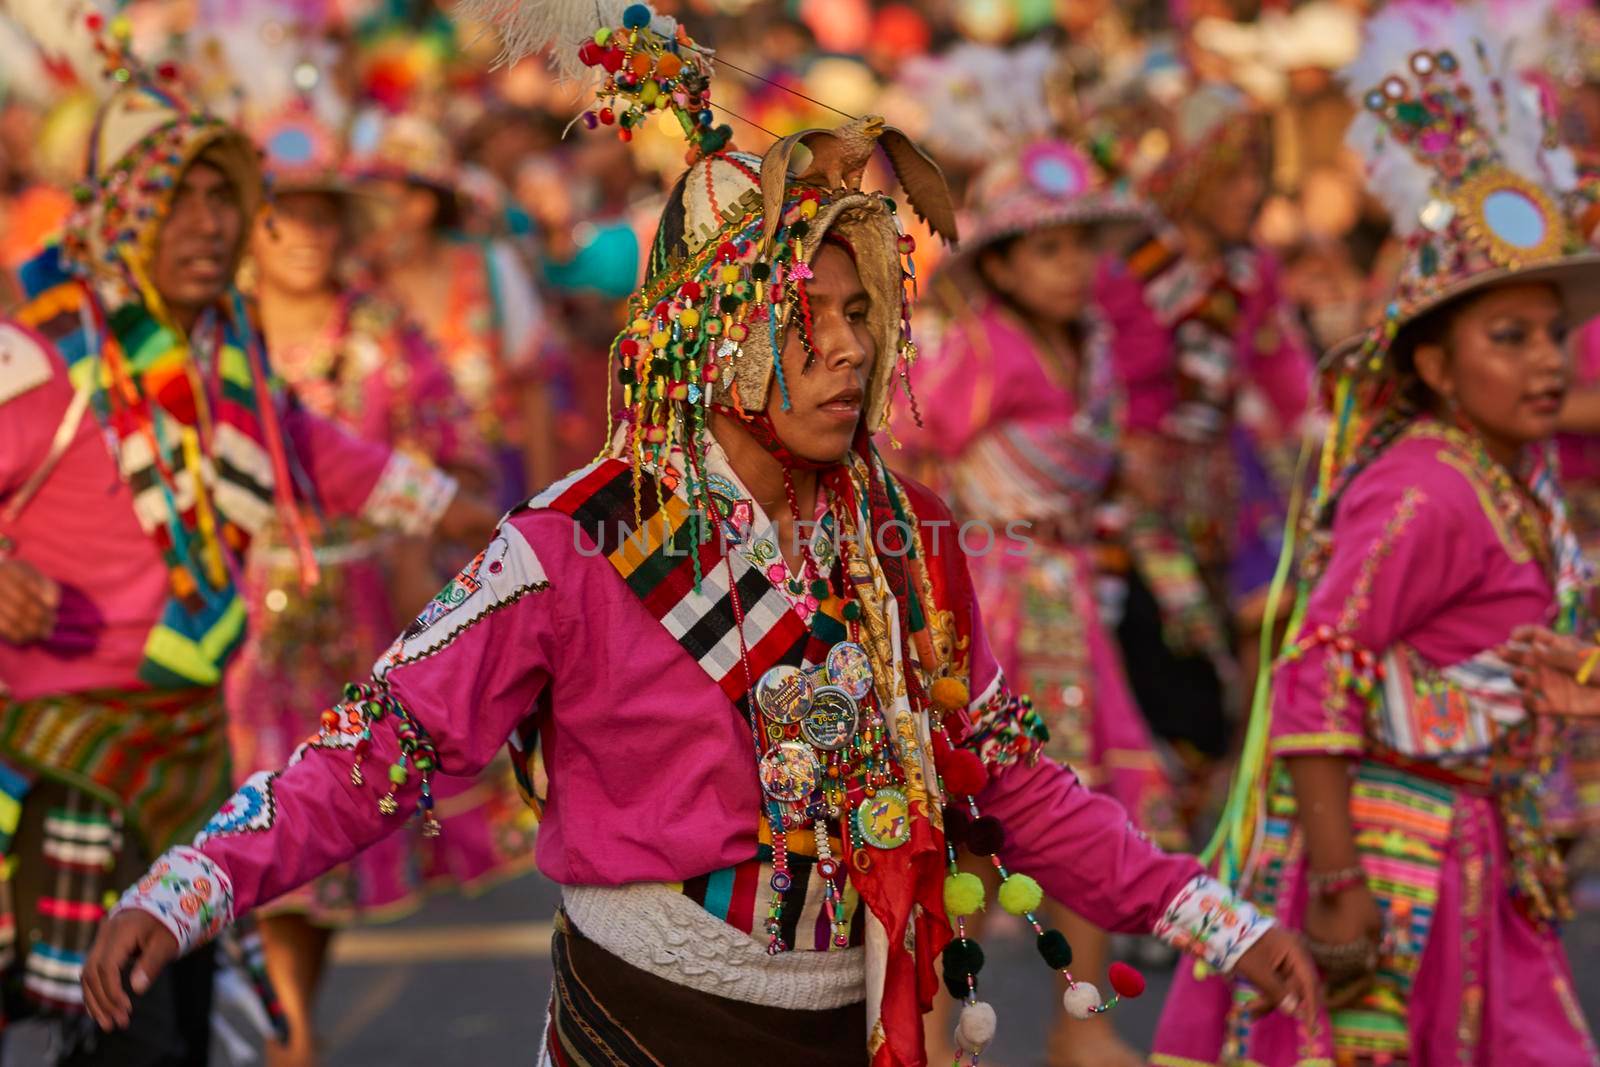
{"x": 751, "y": 661}
{"x": 142, "y": 443}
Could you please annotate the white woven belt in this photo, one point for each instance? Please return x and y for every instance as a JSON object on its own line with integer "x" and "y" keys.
{"x": 673, "y": 938}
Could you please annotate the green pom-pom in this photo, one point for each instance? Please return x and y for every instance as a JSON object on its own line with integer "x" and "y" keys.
{"x": 963, "y": 894}
{"x": 852, "y": 611}
{"x": 1020, "y": 894}
{"x": 961, "y": 957}
{"x": 1055, "y": 950}
{"x": 819, "y": 588}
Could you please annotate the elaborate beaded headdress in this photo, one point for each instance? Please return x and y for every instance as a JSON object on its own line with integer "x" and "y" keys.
{"x": 727, "y": 270}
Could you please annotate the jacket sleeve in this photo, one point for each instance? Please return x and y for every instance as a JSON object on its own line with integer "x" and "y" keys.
{"x": 1398, "y": 551}
{"x": 452, "y": 688}
{"x": 349, "y": 475}
{"x": 1080, "y": 845}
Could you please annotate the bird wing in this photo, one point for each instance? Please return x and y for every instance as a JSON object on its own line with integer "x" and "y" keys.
{"x": 774, "y": 179}
{"x": 923, "y": 182}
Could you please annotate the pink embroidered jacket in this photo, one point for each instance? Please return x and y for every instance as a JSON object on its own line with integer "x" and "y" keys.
{"x": 1421, "y": 557}
{"x": 652, "y": 776}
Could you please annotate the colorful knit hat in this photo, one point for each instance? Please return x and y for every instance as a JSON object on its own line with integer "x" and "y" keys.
{"x": 144, "y": 137}
{"x": 1477, "y": 187}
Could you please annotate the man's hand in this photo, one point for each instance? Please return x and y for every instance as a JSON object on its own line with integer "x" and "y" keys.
{"x": 131, "y": 936}
{"x": 1278, "y": 966}
{"x": 28, "y": 603}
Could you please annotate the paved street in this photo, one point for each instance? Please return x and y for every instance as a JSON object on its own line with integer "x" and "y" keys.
{"x": 464, "y": 982}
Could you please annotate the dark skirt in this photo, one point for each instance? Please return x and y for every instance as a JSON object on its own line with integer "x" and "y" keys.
{"x": 605, "y": 1012}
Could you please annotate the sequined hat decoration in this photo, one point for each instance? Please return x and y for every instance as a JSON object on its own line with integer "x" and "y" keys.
{"x": 1457, "y": 149}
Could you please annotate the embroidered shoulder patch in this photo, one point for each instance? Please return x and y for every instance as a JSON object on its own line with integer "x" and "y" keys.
{"x": 24, "y": 365}
{"x": 499, "y": 576}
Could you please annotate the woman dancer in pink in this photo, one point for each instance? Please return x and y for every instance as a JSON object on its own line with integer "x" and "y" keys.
{"x": 1389, "y": 804}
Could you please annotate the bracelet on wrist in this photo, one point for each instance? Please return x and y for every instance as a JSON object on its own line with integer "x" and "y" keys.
{"x": 1332, "y": 883}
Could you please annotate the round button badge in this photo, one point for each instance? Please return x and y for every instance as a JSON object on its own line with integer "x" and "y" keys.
{"x": 831, "y": 723}
{"x": 850, "y": 669}
{"x": 884, "y": 820}
{"x": 784, "y": 694}
{"x": 789, "y": 772}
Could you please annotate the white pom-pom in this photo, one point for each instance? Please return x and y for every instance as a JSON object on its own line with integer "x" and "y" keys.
{"x": 1080, "y": 1000}
{"x": 975, "y": 1029}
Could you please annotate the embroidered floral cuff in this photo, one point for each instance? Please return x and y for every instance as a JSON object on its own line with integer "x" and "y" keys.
{"x": 189, "y": 893}
{"x": 409, "y": 497}
{"x": 1207, "y": 919}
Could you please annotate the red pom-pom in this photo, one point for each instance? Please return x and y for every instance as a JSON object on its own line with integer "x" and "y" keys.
{"x": 611, "y": 60}
{"x": 941, "y": 747}
{"x": 167, "y": 71}
{"x": 1126, "y": 981}
{"x": 589, "y": 53}
{"x": 963, "y": 773}
{"x": 690, "y": 290}
{"x": 94, "y": 20}
{"x": 726, "y": 252}
{"x": 628, "y": 347}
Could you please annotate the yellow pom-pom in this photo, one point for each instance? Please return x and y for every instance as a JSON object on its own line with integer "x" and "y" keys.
{"x": 689, "y": 318}
{"x": 963, "y": 894}
{"x": 808, "y": 209}
{"x": 949, "y": 694}
{"x": 659, "y": 339}
{"x": 1020, "y": 894}
{"x": 730, "y": 274}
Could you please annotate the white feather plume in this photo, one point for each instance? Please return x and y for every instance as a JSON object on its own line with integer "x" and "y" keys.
{"x": 59, "y": 30}
{"x": 976, "y": 100}
{"x": 526, "y": 27}
{"x": 1404, "y": 183}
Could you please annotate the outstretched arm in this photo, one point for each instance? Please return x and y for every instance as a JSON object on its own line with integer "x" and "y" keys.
{"x": 446, "y": 695}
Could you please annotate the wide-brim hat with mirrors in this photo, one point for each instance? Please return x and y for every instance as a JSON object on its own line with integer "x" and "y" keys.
{"x": 1476, "y": 184}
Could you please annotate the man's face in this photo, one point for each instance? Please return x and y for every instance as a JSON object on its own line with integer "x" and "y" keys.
{"x": 197, "y": 246}
{"x": 826, "y": 393}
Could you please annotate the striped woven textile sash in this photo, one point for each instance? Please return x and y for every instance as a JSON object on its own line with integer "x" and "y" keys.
{"x": 159, "y": 756}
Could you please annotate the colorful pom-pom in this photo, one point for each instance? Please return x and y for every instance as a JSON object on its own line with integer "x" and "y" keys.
{"x": 635, "y": 16}
{"x": 957, "y": 821}
{"x": 975, "y": 1028}
{"x": 1020, "y": 894}
{"x": 986, "y": 836}
{"x": 963, "y": 773}
{"x": 962, "y": 958}
{"x": 948, "y": 694}
{"x": 1080, "y": 1000}
{"x": 963, "y": 894}
{"x": 1057, "y": 952}
{"x": 1126, "y": 981}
